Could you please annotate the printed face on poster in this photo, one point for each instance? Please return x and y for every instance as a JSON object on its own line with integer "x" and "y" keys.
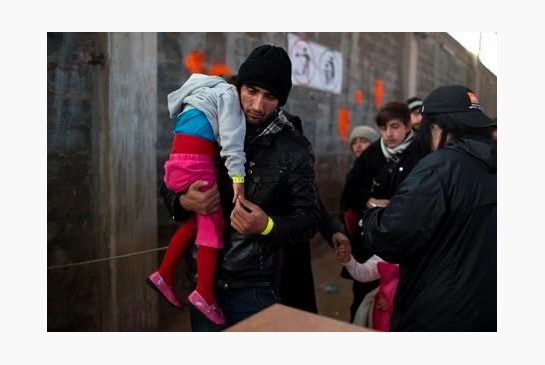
{"x": 314, "y": 65}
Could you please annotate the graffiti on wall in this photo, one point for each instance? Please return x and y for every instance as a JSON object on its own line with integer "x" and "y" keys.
{"x": 314, "y": 65}
{"x": 358, "y": 97}
{"x": 343, "y": 123}
{"x": 379, "y": 93}
{"x": 195, "y": 62}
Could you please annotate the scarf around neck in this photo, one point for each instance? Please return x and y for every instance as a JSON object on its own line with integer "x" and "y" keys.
{"x": 391, "y": 153}
{"x": 279, "y": 122}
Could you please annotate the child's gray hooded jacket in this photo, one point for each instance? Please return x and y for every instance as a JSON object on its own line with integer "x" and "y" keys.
{"x": 220, "y": 103}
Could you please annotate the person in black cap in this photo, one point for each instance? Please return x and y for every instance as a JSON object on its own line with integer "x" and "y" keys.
{"x": 415, "y": 107}
{"x": 440, "y": 226}
{"x": 279, "y": 207}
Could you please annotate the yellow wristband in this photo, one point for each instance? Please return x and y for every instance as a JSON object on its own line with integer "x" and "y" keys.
{"x": 238, "y": 179}
{"x": 268, "y": 229}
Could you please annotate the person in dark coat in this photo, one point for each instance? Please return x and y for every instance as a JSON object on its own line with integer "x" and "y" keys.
{"x": 374, "y": 178}
{"x": 279, "y": 207}
{"x": 441, "y": 225}
{"x": 297, "y": 288}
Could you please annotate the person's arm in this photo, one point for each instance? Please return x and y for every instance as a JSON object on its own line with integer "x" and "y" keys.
{"x": 171, "y": 201}
{"x": 182, "y": 205}
{"x": 231, "y": 130}
{"x": 326, "y": 224}
{"x": 365, "y": 272}
{"x": 397, "y": 233}
{"x": 297, "y": 226}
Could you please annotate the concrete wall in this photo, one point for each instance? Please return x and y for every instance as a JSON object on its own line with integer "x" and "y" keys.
{"x": 442, "y": 60}
{"x": 102, "y": 117}
{"x": 408, "y": 64}
{"x": 72, "y": 232}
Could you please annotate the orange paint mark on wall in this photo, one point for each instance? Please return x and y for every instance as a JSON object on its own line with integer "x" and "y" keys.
{"x": 358, "y": 96}
{"x": 379, "y": 93}
{"x": 343, "y": 123}
{"x": 219, "y": 69}
{"x": 194, "y": 62}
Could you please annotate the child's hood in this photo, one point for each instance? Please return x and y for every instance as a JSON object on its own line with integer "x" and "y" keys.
{"x": 195, "y": 81}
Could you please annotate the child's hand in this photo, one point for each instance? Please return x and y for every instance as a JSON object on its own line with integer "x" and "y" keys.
{"x": 238, "y": 191}
{"x": 343, "y": 250}
{"x": 381, "y": 303}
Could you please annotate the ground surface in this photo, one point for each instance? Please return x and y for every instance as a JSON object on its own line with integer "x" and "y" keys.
{"x": 333, "y": 293}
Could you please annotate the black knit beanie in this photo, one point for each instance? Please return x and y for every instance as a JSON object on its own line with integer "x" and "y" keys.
{"x": 268, "y": 67}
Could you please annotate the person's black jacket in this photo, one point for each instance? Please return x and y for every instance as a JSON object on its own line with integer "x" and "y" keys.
{"x": 374, "y": 176}
{"x": 279, "y": 179}
{"x": 441, "y": 229}
{"x": 297, "y": 287}
{"x": 297, "y": 284}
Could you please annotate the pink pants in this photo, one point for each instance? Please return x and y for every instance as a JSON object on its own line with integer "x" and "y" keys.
{"x": 182, "y": 170}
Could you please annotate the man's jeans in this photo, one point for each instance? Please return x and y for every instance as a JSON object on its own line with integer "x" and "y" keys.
{"x": 236, "y": 304}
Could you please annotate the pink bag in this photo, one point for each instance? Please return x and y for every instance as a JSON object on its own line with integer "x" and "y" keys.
{"x": 389, "y": 277}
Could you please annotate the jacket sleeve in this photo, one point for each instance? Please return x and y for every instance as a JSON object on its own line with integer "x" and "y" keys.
{"x": 357, "y": 188}
{"x": 398, "y": 232}
{"x": 231, "y": 130}
{"x": 172, "y": 203}
{"x": 326, "y": 224}
{"x": 366, "y": 272}
{"x": 300, "y": 224}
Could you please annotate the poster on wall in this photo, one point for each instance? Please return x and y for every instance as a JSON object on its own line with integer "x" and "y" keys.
{"x": 314, "y": 65}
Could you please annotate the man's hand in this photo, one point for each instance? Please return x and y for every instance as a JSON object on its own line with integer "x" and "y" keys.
{"x": 338, "y": 239}
{"x": 198, "y": 201}
{"x": 373, "y": 203}
{"x": 248, "y": 218}
{"x": 343, "y": 249}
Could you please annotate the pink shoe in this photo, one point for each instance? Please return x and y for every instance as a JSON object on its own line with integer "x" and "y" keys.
{"x": 156, "y": 282}
{"x": 212, "y": 312}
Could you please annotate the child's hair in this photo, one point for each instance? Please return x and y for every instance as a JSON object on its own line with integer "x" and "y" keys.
{"x": 393, "y": 110}
{"x": 230, "y": 78}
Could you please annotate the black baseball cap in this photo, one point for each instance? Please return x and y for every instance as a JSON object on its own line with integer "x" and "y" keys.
{"x": 459, "y": 101}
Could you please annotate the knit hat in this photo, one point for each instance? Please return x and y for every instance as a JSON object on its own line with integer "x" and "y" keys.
{"x": 459, "y": 101}
{"x": 364, "y": 131}
{"x": 268, "y": 67}
{"x": 414, "y": 104}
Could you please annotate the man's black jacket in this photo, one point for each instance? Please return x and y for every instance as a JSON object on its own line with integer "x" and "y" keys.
{"x": 279, "y": 179}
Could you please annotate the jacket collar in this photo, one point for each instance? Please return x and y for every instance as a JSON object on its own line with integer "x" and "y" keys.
{"x": 277, "y": 123}
{"x": 480, "y": 148}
